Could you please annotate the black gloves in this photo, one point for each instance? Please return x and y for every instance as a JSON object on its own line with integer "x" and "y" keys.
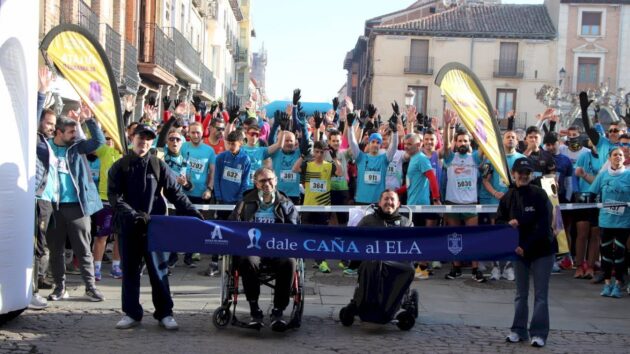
{"x": 141, "y": 222}
{"x": 166, "y": 102}
{"x": 396, "y": 108}
{"x": 510, "y": 125}
{"x": 176, "y": 102}
{"x": 393, "y": 123}
{"x": 296, "y": 96}
{"x": 304, "y": 149}
{"x": 221, "y": 106}
{"x": 335, "y": 103}
{"x": 318, "y": 119}
{"x": 213, "y": 107}
{"x": 350, "y": 117}
{"x": 283, "y": 120}
{"x": 362, "y": 118}
{"x": 234, "y": 113}
{"x": 584, "y": 102}
{"x": 151, "y": 101}
{"x": 371, "y": 110}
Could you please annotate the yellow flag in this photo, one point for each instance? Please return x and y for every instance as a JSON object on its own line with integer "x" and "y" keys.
{"x": 82, "y": 62}
{"x": 466, "y": 95}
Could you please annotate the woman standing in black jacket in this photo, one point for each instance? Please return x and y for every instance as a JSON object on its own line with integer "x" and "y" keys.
{"x": 528, "y": 209}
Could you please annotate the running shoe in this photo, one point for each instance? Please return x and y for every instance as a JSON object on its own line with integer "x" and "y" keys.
{"x": 116, "y": 272}
{"x": 350, "y": 272}
{"x": 453, "y": 274}
{"x": 495, "y": 274}
{"x": 513, "y": 337}
{"x": 508, "y": 273}
{"x": 479, "y": 277}
{"x": 421, "y": 274}
{"x": 436, "y": 265}
{"x": 97, "y": 273}
{"x": 616, "y": 291}
{"x": 323, "y": 267}
{"x": 537, "y": 342}
{"x": 607, "y": 290}
{"x": 566, "y": 263}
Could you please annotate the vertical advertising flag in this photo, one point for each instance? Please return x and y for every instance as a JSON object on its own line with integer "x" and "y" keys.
{"x": 466, "y": 95}
{"x": 18, "y": 93}
{"x": 81, "y": 60}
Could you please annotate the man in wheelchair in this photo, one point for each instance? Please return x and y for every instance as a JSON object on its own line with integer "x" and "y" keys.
{"x": 265, "y": 204}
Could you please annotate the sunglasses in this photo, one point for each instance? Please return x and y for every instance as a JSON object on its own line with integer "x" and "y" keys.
{"x": 623, "y": 144}
{"x": 174, "y": 139}
{"x": 220, "y": 129}
{"x": 108, "y": 138}
{"x": 613, "y": 131}
{"x": 253, "y": 134}
{"x": 265, "y": 180}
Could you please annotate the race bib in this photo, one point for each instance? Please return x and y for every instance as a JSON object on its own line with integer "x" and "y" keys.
{"x": 288, "y": 176}
{"x": 615, "y": 210}
{"x": 232, "y": 174}
{"x": 265, "y": 217}
{"x": 391, "y": 169}
{"x": 318, "y": 185}
{"x": 464, "y": 184}
{"x": 196, "y": 166}
{"x": 372, "y": 177}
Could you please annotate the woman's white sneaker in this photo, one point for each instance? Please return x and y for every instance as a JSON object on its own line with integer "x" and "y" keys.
{"x": 538, "y": 342}
{"x": 169, "y": 323}
{"x": 513, "y": 337}
{"x": 127, "y": 322}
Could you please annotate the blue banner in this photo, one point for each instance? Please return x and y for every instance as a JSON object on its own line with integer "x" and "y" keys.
{"x": 187, "y": 234}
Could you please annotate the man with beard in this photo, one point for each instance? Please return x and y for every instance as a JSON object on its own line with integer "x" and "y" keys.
{"x": 461, "y": 186}
{"x": 77, "y": 199}
{"x": 539, "y": 158}
{"x": 216, "y": 134}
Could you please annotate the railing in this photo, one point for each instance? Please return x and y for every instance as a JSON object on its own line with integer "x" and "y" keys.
{"x": 156, "y": 47}
{"x": 112, "y": 49}
{"x": 208, "y": 82}
{"x": 184, "y": 51}
{"x": 419, "y": 65}
{"x": 131, "y": 80}
{"x": 85, "y": 17}
{"x": 509, "y": 68}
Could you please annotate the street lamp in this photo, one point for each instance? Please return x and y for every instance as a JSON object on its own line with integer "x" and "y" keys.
{"x": 561, "y": 74}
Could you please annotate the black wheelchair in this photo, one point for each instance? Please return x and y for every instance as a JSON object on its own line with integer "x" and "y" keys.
{"x": 226, "y": 313}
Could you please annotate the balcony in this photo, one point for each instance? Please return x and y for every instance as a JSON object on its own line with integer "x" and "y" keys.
{"x": 81, "y": 15}
{"x": 243, "y": 56}
{"x": 157, "y": 55}
{"x": 187, "y": 59}
{"x": 131, "y": 80}
{"x": 419, "y": 65}
{"x": 112, "y": 50}
{"x": 236, "y": 8}
{"x": 208, "y": 83}
{"x": 509, "y": 68}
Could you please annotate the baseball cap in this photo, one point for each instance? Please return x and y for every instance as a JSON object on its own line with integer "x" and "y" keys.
{"x": 522, "y": 165}
{"x": 145, "y": 129}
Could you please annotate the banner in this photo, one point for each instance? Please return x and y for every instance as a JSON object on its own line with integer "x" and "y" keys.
{"x": 466, "y": 95}
{"x": 551, "y": 188}
{"x": 82, "y": 61}
{"x": 18, "y": 93}
{"x": 187, "y": 234}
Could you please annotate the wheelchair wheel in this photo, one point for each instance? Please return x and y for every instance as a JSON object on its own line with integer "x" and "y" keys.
{"x": 298, "y": 296}
{"x": 346, "y": 316}
{"x": 221, "y": 317}
{"x": 414, "y": 302}
{"x": 405, "y": 320}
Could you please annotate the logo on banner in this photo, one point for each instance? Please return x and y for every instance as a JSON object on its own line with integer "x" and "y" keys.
{"x": 216, "y": 238}
{"x": 254, "y": 238}
{"x": 455, "y": 243}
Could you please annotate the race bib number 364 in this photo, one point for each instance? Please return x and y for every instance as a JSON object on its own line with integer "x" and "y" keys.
{"x": 318, "y": 185}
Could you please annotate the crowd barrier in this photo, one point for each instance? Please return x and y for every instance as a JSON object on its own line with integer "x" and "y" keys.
{"x": 442, "y": 209}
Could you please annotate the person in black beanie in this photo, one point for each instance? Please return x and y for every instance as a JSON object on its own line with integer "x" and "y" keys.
{"x": 527, "y": 208}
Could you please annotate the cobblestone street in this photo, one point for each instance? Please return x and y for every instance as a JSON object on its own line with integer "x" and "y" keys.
{"x": 456, "y": 316}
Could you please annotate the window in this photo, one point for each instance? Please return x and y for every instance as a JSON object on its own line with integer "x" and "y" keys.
{"x": 588, "y": 73}
{"x": 418, "y": 61}
{"x": 591, "y": 23}
{"x": 506, "y": 102}
{"x": 420, "y": 100}
{"x": 508, "y": 58}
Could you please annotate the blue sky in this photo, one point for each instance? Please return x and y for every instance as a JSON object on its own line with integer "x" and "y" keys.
{"x": 307, "y": 40}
